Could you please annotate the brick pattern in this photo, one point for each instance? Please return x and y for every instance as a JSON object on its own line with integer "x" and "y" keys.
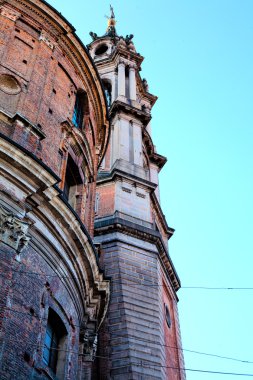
{"x": 171, "y": 339}
{"x": 107, "y": 196}
{"x": 24, "y": 302}
{"x": 179, "y": 342}
{"x": 49, "y": 79}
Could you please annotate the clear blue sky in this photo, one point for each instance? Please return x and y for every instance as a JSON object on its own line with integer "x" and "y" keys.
{"x": 199, "y": 61}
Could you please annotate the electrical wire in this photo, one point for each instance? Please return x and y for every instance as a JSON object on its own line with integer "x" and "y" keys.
{"x": 132, "y": 282}
{"x": 197, "y": 370}
{"x": 138, "y": 283}
{"x": 143, "y": 364}
{"x": 214, "y": 288}
{"x": 147, "y": 341}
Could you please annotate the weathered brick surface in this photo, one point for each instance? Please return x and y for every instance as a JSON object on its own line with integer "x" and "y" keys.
{"x": 106, "y": 199}
{"x": 48, "y": 76}
{"x": 43, "y": 67}
{"x": 24, "y": 301}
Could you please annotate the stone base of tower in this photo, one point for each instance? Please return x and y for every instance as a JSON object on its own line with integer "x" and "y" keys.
{"x": 134, "y": 336}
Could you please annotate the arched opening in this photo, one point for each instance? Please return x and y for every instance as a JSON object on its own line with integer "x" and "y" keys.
{"x": 80, "y": 108}
{"x": 55, "y": 344}
{"x": 167, "y": 315}
{"x": 127, "y": 82}
{"x": 72, "y": 182}
{"x": 101, "y": 49}
{"x": 108, "y": 91}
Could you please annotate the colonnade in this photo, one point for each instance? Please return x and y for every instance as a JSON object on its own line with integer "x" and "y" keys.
{"x": 122, "y": 80}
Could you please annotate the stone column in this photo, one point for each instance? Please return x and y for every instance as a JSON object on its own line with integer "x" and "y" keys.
{"x": 121, "y": 79}
{"x": 132, "y": 82}
{"x": 114, "y": 87}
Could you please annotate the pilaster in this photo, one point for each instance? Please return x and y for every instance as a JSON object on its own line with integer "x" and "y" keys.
{"x": 121, "y": 79}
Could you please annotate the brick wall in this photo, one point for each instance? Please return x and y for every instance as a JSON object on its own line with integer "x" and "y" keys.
{"x": 39, "y": 80}
{"x": 26, "y": 297}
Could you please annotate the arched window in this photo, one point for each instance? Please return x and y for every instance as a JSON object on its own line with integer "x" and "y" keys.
{"x": 72, "y": 180}
{"x": 108, "y": 91}
{"x": 167, "y": 315}
{"x": 55, "y": 344}
{"x": 80, "y": 108}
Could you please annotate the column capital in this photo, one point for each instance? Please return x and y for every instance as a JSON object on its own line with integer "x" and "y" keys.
{"x": 132, "y": 66}
{"x": 122, "y": 61}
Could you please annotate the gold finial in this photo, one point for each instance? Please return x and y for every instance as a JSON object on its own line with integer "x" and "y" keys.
{"x": 111, "y": 20}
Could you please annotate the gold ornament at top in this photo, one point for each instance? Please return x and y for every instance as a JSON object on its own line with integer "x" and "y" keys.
{"x": 111, "y": 20}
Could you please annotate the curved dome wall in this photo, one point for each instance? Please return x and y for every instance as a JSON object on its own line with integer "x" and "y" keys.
{"x": 53, "y": 134}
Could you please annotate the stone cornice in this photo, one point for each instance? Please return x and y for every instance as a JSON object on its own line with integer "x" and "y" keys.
{"x": 129, "y": 55}
{"x": 56, "y": 231}
{"x": 154, "y": 157}
{"x": 117, "y": 224}
{"x": 116, "y": 173}
{"x": 120, "y": 106}
{"x": 146, "y": 95}
{"x": 168, "y": 230}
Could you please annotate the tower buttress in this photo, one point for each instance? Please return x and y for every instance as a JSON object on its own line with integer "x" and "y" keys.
{"x": 130, "y": 226}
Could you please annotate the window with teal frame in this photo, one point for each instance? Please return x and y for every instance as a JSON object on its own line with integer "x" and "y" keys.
{"x": 79, "y": 109}
{"x": 55, "y": 343}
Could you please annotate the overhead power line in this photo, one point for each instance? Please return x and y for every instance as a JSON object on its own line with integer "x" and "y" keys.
{"x": 145, "y": 364}
{"x": 198, "y": 370}
{"x": 145, "y": 340}
{"x": 214, "y": 288}
{"x": 130, "y": 282}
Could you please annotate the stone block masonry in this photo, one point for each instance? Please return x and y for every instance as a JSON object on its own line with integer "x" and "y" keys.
{"x": 134, "y": 329}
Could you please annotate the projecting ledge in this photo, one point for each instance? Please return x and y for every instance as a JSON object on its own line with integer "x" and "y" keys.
{"x": 107, "y": 226}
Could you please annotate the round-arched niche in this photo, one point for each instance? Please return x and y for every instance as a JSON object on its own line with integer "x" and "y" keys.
{"x": 9, "y": 84}
{"x": 101, "y": 49}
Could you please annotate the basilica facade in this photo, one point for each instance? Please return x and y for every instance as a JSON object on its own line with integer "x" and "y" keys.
{"x": 88, "y": 289}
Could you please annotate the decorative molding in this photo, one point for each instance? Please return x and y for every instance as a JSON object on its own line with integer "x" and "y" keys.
{"x": 13, "y": 231}
{"x": 89, "y": 341}
{"x": 122, "y": 61}
{"x": 9, "y": 84}
{"x": 23, "y": 122}
{"x": 13, "y": 16}
{"x": 118, "y": 224}
{"x": 47, "y": 41}
{"x": 132, "y": 66}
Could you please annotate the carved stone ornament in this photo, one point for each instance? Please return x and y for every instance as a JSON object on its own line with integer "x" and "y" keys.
{"x": 9, "y": 84}
{"x": 89, "y": 344}
{"x": 13, "y": 231}
{"x": 47, "y": 41}
{"x": 94, "y": 36}
{"x": 145, "y": 84}
{"x": 9, "y": 14}
{"x": 91, "y": 311}
{"x": 129, "y": 38}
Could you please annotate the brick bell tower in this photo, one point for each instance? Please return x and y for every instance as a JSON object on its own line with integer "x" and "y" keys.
{"x": 141, "y": 336}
